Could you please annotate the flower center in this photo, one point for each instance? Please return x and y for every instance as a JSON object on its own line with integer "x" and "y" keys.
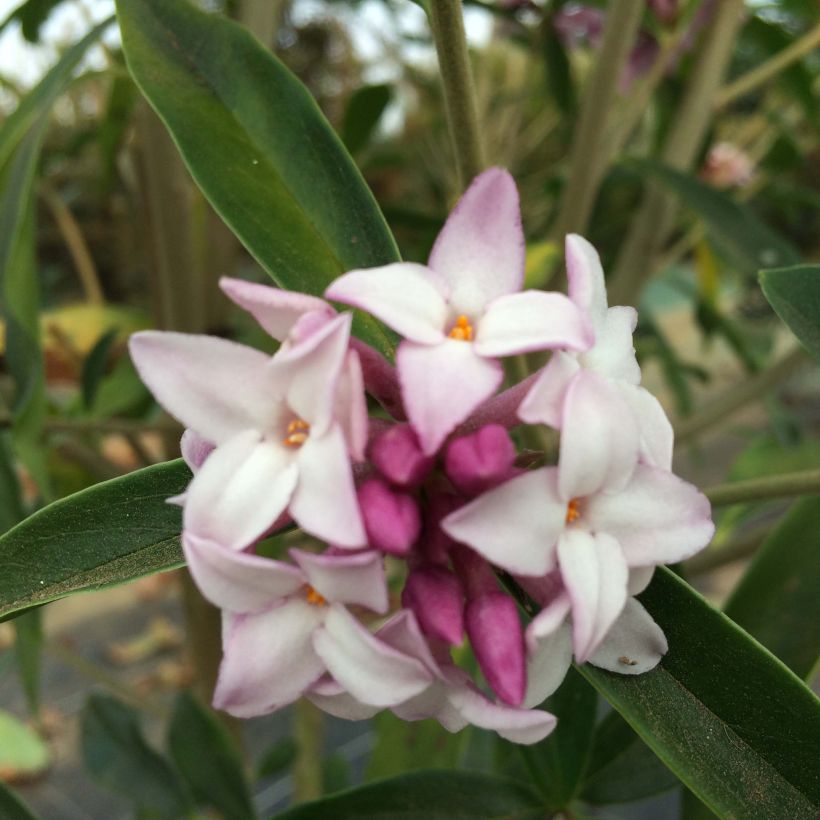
{"x": 296, "y": 433}
{"x": 573, "y": 510}
{"x": 313, "y": 597}
{"x": 462, "y": 330}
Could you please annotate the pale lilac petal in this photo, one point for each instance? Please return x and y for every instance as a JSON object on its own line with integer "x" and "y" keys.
{"x": 346, "y": 579}
{"x": 442, "y": 384}
{"x": 599, "y": 438}
{"x": 240, "y": 491}
{"x": 373, "y": 672}
{"x": 213, "y": 386}
{"x": 532, "y": 320}
{"x": 614, "y": 353}
{"x": 657, "y": 519}
{"x": 480, "y": 250}
{"x": 639, "y": 579}
{"x": 194, "y": 449}
{"x": 403, "y": 633}
{"x": 324, "y": 502}
{"x": 524, "y": 726}
{"x": 548, "y": 621}
{"x": 433, "y": 702}
{"x": 351, "y": 406}
{"x": 595, "y": 575}
{"x": 585, "y": 278}
{"x": 544, "y": 404}
{"x": 657, "y": 436}
{"x": 547, "y": 665}
{"x": 634, "y": 644}
{"x": 405, "y": 296}
{"x": 276, "y": 310}
{"x": 238, "y": 581}
{"x": 268, "y": 659}
{"x": 332, "y": 698}
{"x": 514, "y": 526}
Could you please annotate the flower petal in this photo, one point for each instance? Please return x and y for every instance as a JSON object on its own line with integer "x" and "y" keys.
{"x": 480, "y": 250}
{"x": 614, "y": 353}
{"x": 213, "y": 386}
{"x": 194, "y": 449}
{"x": 544, "y": 404}
{"x": 585, "y": 278}
{"x": 351, "y": 406}
{"x": 515, "y": 525}
{"x": 346, "y": 579}
{"x": 532, "y": 320}
{"x": 403, "y": 633}
{"x": 634, "y": 644}
{"x": 442, "y": 384}
{"x": 324, "y": 503}
{"x": 657, "y": 436}
{"x": 657, "y": 518}
{"x": 238, "y": 581}
{"x": 595, "y": 575}
{"x": 276, "y": 310}
{"x": 599, "y": 438}
{"x": 269, "y": 660}
{"x": 240, "y": 491}
{"x": 405, "y": 296}
{"x": 332, "y": 698}
{"x": 373, "y": 672}
{"x": 639, "y": 579}
{"x": 548, "y": 621}
{"x": 547, "y": 665}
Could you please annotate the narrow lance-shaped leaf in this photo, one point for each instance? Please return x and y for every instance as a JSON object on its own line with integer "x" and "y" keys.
{"x": 12, "y": 807}
{"x": 271, "y": 165}
{"x": 726, "y": 716}
{"x": 794, "y": 293}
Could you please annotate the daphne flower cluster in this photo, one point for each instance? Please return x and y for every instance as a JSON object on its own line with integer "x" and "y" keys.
{"x": 432, "y": 488}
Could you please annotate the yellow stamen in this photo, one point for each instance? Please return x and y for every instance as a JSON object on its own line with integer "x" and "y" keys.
{"x": 314, "y": 598}
{"x": 573, "y": 510}
{"x": 462, "y": 330}
{"x": 297, "y": 433}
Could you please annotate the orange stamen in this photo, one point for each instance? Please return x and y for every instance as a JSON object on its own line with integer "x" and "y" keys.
{"x": 314, "y": 598}
{"x": 462, "y": 330}
{"x": 573, "y": 510}
{"x": 297, "y": 433}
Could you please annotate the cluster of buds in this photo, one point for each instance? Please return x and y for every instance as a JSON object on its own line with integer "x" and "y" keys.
{"x": 430, "y": 496}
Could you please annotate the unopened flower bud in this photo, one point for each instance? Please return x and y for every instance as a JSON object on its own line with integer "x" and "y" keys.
{"x": 481, "y": 460}
{"x": 436, "y": 597}
{"x": 398, "y": 456}
{"x": 391, "y": 518}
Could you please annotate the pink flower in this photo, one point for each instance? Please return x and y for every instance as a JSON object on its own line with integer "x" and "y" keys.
{"x": 464, "y": 310}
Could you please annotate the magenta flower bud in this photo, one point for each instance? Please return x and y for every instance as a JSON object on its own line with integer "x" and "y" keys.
{"x": 398, "y": 456}
{"x": 481, "y": 460}
{"x": 435, "y": 596}
{"x": 391, "y": 518}
{"x": 495, "y": 633}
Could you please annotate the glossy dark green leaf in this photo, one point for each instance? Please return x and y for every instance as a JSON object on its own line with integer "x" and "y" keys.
{"x": 428, "y": 795}
{"x": 116, "y": 754}
{"x": 778, "y": 598}
{"x": 31, "y": 15}
{"x": 726, "y": 716}
{"x": 794, "y": 293}
{"x": 736, "y": 232}
{"x": 95, "y": 364}
{"x": 28, "y": 647}
{"x": 205, "y": 755}
{"x": 271, "y": 165}
{"x": 12, "y": 807}
{"x": 362, "y": 115}
{"x": 557, "y": 763}
{"x": 622, "y": 768}
{"x": 110, "y": 533}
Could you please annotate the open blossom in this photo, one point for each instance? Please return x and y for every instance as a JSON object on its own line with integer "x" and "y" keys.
{"x": 463, "y": 310}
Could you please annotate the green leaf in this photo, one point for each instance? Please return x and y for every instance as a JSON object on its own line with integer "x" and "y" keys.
{"x": 116, "y": 755}
{"x": 794, "y": 293}
{"x": 11, "y": 500}
{"x": 622, "y": 767}
{"x": 215, "y": 777}
{"x": 95, "y": 364}
{"x": 271, "y": 165}
{"x": 728, "y": 718}
{"x": 31, "y": 15}
{"x": 736, "y": 232}
{"x": 12, "y": 807}
{"x": 777, "y": 599}
{"x": 23, "y": 754}
{"x": 362, "y": 115}
{"x": 278, "y": 758}
{"x": 557, "y": 763}
{"x": 432, "y": 795}
{"x": 28, "y": 646}
{"x": 110, "y": 533}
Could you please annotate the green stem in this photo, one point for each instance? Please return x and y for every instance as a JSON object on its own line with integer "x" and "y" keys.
{"x": 307, "y": 769}
{"x": 805, "y": 482}
{"x": 447, "y": 26}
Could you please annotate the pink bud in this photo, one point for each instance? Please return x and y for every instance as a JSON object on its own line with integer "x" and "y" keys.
{"x": 495, "y": 632}
{"x": 481, "y": 460}
{"x": 391, "y": 518}
{"x": 398, "y": 456}
{"x": 435, "y": 596}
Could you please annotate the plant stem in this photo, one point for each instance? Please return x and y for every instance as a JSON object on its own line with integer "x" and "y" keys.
{"x": 447, "y": 26}
{"x": 586, "y": 168}
{"x": 805, "y": 482}
{"x": 307, "y": 769}
{"x": 740, "y": 395}
{"x": 773, "y": 66}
